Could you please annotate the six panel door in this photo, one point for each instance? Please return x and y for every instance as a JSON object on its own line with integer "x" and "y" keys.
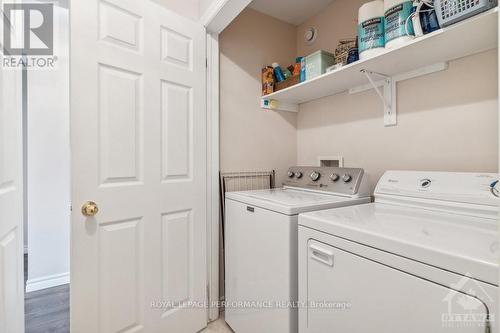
{"x": 138, "y": 127}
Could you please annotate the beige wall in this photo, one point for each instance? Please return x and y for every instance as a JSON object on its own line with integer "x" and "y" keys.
{"x": 204, "y": 5}
{"x": 192, "y": 9}
{"x": 187, "y": 8}
{"x": 251, "y": 138}
{"x": 337, "y": 21}
{"x": 446, "y": 121}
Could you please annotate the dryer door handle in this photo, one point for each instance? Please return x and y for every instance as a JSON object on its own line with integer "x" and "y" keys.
{"x": 320, "y": 254}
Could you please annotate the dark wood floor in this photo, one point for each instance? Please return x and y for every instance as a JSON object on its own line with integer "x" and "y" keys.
{"x": 47, "y": 310}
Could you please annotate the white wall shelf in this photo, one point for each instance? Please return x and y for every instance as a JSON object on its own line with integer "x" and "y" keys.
{"x": 474, "y": 35}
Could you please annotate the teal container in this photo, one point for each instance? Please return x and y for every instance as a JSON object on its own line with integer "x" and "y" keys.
{"x": 302, "y": 69}
{"x": 398, "y": 27}
{"x": 371, "y": 35}
{"x": 317, "y": 63}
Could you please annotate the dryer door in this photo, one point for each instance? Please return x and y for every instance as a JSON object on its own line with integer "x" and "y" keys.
{"x": 350, "y": 293}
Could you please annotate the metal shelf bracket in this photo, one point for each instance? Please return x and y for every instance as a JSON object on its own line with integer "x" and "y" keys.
{"x": 389, "y": 83}
{"x": 388, "y": 96}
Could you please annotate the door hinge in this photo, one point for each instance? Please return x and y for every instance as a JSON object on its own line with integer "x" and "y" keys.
{"x": 206, "y": 62}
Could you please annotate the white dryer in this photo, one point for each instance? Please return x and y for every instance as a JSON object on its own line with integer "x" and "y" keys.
{"x": 423, "y": 258}
{"x": 261, "y": 244}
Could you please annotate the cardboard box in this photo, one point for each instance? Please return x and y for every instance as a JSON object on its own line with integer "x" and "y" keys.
{"x": 291, "y": 81}
{"x": 267, "y": 81}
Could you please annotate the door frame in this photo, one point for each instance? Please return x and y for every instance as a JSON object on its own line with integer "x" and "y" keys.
{"x": 213, "y": 201}
{"x": 215, "y": 19}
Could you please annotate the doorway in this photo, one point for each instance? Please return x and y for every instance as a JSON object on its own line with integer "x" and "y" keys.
{"x": 47, "y": 186}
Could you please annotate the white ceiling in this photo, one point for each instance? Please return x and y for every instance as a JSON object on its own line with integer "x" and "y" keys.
{"x": 291, "y": 11}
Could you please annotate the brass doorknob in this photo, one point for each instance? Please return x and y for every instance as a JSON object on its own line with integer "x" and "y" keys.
{"x": 90, "y": 208}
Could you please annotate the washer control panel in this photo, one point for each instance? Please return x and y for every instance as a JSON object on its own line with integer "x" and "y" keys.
{"x": 474, "y": 188}
{"x": 330, "y": 179}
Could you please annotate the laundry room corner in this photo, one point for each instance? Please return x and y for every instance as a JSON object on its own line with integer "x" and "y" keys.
{"x": 249, "y": 166}
{"x": 453, "y": 106}
{"x": 252, "y": 139}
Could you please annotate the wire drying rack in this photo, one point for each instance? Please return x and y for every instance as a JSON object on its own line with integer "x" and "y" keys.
{"x": 244, "y": 181}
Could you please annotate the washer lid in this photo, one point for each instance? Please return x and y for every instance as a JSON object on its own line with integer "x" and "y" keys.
{"x": 291, "y": 201}
{"x": 462, "y": 244}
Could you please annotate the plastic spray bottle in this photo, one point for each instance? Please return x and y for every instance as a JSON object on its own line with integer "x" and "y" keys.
{"x": 278, "y": 73}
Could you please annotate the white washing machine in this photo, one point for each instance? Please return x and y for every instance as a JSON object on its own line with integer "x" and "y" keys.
{"x": 261, "y": 244}
{"x": 423, "y": 258}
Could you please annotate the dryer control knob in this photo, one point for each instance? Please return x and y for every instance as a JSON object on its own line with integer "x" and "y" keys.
{"x": 334, "y": 177}
{"x": 298, "y": 174}
{"x": 495, "y": 188}
{"x": 290, "y": 174}
{"x": 346, "y": 178}
{"x": 425, "y": 182}
{"x": 315, "y": 176}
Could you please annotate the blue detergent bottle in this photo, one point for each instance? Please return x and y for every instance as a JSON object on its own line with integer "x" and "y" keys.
{"x": 428, "y": 19}
{"x": 278, "y": 73}
{"x": 302, "y": 69}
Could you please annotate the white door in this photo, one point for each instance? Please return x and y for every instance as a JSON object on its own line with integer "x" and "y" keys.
{"x": 11, "y": 201}
{"x": 138, "y": 133}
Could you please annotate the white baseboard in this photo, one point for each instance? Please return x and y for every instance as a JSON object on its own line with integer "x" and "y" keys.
{"x": 47, "y": 282}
